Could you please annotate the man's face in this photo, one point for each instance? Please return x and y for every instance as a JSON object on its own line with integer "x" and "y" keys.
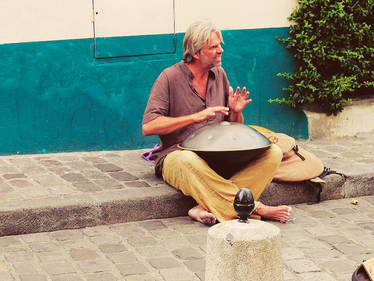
{"x": 211, "y": 54}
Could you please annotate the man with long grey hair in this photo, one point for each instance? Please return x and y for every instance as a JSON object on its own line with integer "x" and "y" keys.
{"x": 187, "y": 96}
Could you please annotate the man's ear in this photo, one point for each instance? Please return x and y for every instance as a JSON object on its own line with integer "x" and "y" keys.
{"x": 196, "y": 55}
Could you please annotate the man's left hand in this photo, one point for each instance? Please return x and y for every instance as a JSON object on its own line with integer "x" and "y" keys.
{"x": 239, "y": 99}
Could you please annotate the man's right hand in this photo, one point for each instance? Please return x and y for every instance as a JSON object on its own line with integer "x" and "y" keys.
{"x": 210, "y": 112}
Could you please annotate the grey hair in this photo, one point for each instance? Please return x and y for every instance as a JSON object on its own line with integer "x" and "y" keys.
{"x": 196, "y": 36}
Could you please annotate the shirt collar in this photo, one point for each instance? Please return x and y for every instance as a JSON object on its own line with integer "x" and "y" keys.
{"x": 187, "y": 71}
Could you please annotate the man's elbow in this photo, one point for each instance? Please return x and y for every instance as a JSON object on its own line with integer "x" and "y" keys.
{"x": 146, "y": 130}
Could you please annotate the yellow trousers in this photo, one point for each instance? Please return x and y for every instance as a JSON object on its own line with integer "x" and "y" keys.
{"x": 189, "y": 173}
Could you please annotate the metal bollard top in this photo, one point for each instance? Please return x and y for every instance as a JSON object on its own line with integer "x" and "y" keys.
{"x": 244, "y": 204}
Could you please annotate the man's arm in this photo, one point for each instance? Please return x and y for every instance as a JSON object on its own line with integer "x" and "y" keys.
{"x": 163, "y": 125}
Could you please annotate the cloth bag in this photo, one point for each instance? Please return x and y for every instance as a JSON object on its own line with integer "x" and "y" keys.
{"x": 297, "y": 163}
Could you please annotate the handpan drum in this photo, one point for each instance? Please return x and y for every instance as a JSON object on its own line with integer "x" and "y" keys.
{"x": 226, "y": 146}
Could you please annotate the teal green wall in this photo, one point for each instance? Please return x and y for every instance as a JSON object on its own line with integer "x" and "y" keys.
{"x": 55, "y": 96}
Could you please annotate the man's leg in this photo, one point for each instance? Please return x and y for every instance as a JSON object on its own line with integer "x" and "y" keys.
{"x": 186, "y": 171}
{"x": 189, "y": 173}
{"x": 256, "y": 176}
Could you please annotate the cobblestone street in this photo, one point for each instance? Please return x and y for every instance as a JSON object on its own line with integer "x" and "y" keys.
{"x": 325, "y": 243}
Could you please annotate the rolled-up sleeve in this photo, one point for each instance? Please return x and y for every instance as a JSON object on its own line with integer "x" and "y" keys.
{"x": 159, "y": 99}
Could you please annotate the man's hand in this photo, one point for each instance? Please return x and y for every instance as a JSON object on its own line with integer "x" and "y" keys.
{"x": 238, "y": 100}
{"x": 209, "y": 112}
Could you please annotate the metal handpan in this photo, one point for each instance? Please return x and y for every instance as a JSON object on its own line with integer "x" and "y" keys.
{"x": 226, "y": 146}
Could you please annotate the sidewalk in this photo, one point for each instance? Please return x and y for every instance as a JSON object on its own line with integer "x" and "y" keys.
{"x": 47, "y": 192}
{"x": 324, "y": 243}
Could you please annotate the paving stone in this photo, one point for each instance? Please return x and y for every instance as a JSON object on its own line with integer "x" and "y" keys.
{"x": 20, "y": 183}
{"x": 136, "y": 184}
{"x": 322, "y": 254}
{"x": 19, "y": 257}
{"x": 112, "y": 248}
{"x": 36, "y": 238}
{"x": 334, "y": 239}
{"x": 14, "y": 176}
{"x": 48, "y": 180}
{"x": 74, "y": 177}
{"x": 47, "y": 257}
{"x": 144, "y": 277}
{"x": 94, "y": 159}
{"x": 67, "y": 277}
{"x": 58, "y": 268}
{"x": 83, "y": 254}
{"x": 123, "y": 176}
{"x": 352, "y": 248}
{"x": 10, "y": 241}
{"x": 188, "y": 253}
{"x": 102, "y": 277}
{"x": 5, "y": 188}
{"x": 94, "y": 175}
{"x": 317, "y": 276}
{"x": 107, "y": 167}
{"x": 122, "y": 257}
{"x": 165, "y": 262}
{"x": 302, "y": 265}
{"x": 28, "y": 267}
{"x": 128, "y": 230}
{"x": 86, "y": 186}
{"x": 106, "y": 239}
{"x": 78, "y": 165}
{"x": 67, "y": 235}
{"x": 92, "y": 266}
{"x": 292, "y": 253}
{"x": 176, "y": 274}
{"x": 8, "y": 169}
{"x": 50, "y": 162}
{"x": 44, "y": 247}
{"x": 141, "y": 241}
{"x": 152, "y": 225}
{"x": 195, "y": 265}
{"x": 132, "y": 269}
{"x": 5, "y": 276}
{"x": 33, "y": 277}
{"x": 338, "y": 266}
{"x": 107, "y": 184}
{"x": 153, "y": 251}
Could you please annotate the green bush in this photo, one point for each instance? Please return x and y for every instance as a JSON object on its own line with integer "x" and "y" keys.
{"x": 333, "y": 45}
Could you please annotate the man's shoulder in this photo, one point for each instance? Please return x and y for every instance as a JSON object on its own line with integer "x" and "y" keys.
{"x": 175, "y": 69}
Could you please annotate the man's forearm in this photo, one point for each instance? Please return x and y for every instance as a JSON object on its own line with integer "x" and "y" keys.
{"x": 236, "y": 117}
{"x": 163, "y": 125}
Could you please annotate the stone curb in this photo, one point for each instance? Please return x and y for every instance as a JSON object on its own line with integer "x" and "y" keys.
{"x": 52, "y": 214}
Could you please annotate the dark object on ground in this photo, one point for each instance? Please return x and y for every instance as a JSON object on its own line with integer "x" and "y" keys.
{"x": 244, "y": 204}
{"x": 226, "y": 146}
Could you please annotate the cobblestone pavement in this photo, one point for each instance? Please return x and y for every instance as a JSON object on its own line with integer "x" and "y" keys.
{"x": 38, "y": 176}
{"x": 325, "y": 242}
{"x": 94, "y": 174}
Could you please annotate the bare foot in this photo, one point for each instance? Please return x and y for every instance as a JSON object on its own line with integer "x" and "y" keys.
{"x": 279, "y": 213}
{"x": 200, "y": 214}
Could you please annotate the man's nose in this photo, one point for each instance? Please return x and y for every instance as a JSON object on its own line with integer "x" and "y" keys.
{"x": 220, "y": 49}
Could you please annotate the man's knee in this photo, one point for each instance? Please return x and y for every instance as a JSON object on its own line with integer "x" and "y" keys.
{"x": 274, "y": 154}
{"x": 183, "y": 157}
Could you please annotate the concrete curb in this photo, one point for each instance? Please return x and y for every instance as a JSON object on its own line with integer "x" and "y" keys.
{"x": 156, "y": 203}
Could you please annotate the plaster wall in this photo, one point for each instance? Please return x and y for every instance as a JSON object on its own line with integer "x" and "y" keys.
{"x": 56, "y": 96}
{"x": 45, "y": 20}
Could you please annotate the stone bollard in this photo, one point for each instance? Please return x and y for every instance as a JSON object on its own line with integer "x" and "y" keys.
{"x": 244, "y": 250}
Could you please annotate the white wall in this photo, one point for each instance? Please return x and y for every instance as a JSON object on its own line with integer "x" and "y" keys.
{"x": 44, "y": 20}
